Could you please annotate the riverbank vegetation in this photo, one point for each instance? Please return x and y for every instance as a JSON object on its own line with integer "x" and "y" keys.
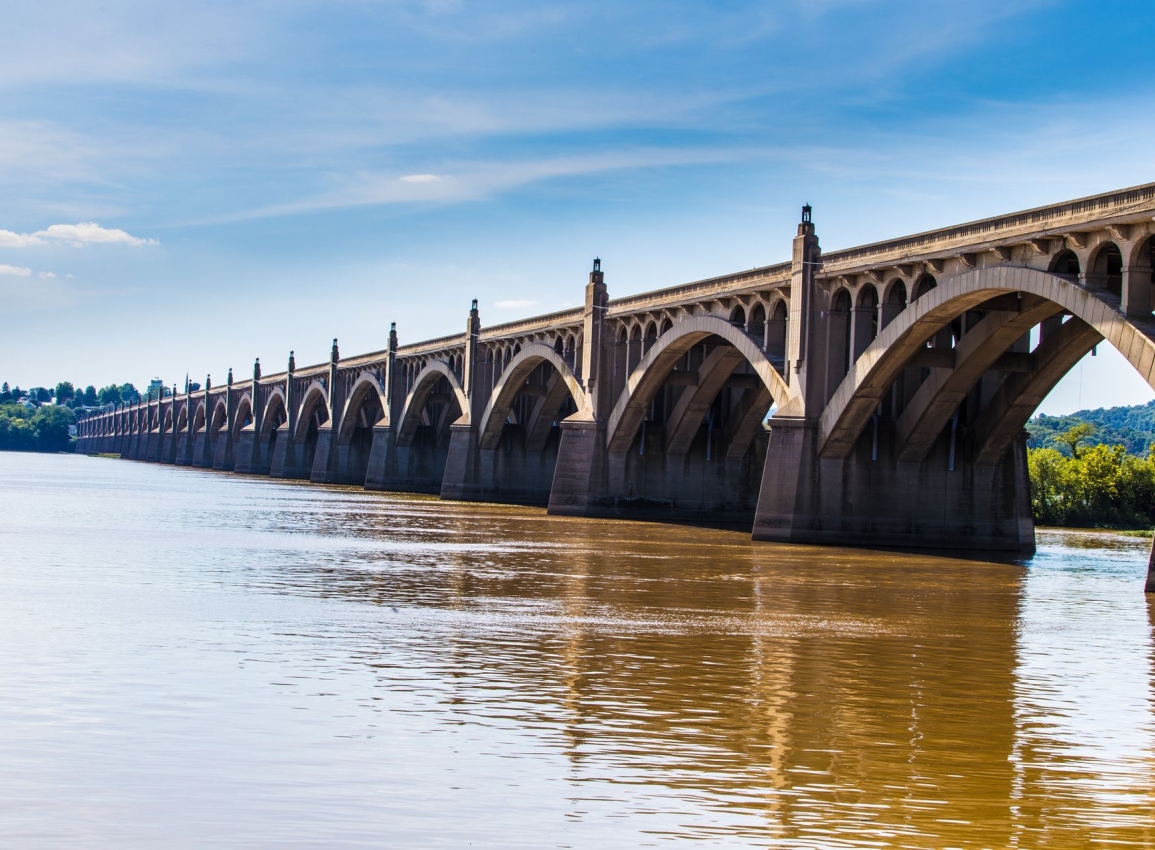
{"x": 1078, "y": 482}
{"x": 36, "y": 429}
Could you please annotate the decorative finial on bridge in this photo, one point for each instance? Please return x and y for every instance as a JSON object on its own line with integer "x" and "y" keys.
{"x": 334, "y": 355}
{"x": 229, "y": 380}
{"x": 806, "y": 213}
{"x": 392, "y": 336}
{"x": 208, "y": 383}
{"x": 292, "y": 362}
{"x": 256, "y": 370}
{"x": 597, "y": 264}
{"x": 474, "y": 307}
{"x": 186, "y": 383}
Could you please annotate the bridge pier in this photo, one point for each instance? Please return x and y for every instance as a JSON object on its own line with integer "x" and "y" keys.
{"x": 871, "y": 499}
{"x": 320, "y": 473}
{"x": 184, "y": 448}
{"x": 289, "y": 457}
{"x": 415, "y": 466}
{"x": 248, "y": 460}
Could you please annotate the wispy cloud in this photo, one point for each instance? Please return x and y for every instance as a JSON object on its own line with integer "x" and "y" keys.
{"x": 515, "y": 303}
{"x": 15, "y": 271}
{"x": 46, "y": 275}
{"x": 77, "y": 235}
{"x": 478, "y": 180}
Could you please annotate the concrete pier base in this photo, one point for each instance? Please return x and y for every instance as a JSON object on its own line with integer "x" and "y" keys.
{"x": 863, "y": 501}
{"x": 508, "y": 473}
{"x": 247, "y": 452}
{"x": 289, "y": 457}
{"x": 1150, "y": 587}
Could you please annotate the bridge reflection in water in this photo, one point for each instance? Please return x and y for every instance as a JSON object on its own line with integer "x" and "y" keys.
{"x": 810, "y": 695}
{"x": 246, "y": 662}
{"x": 897, "y": 378}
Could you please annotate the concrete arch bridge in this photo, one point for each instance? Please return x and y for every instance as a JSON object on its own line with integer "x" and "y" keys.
{"x": 872, "y": 396}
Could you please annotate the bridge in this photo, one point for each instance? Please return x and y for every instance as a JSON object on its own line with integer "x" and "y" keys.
{"x": 870, "y": 396}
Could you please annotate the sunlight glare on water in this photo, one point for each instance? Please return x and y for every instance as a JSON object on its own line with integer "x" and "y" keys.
{"x": 194, "y": 658}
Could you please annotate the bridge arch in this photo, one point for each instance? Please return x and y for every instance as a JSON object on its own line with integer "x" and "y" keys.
{"x": 423, "y": 385}
{"x": 511, "y": 383}
{"x": 243, "y": 415}
{"x": 872, "y": 374}
{"x": 315, "y": 395}
{"x": 654, "y": 368}
{"x": 275, "y": 415}
{"x": 219, "y": 418}
{"x": 366, "y": 398}
{"x": 1066, "y": 264}
{"x": 1105, "y": 268}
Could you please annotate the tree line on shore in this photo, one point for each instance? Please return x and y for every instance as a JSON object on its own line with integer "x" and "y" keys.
{"x": 40, "y": 419}
{"x": 67, "y": 395}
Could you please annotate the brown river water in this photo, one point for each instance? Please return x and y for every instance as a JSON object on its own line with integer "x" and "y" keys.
{"x": 196, "y": 659}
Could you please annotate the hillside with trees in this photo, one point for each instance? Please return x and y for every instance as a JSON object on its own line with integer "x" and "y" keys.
{"x": 1130, "y": 427}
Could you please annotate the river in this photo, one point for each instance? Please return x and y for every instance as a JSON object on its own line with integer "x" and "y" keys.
{"x": 196, "y": 659}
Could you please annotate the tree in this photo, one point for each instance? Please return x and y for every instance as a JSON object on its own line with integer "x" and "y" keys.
{"x": 51, "y": 423}
{"x": 1074, "y": 435}
{"x": 129, "y": 394}
{"x": 89, "y": 398}
{"x": 1045, "y": 469}
{"x": 42, "y": 394}
{"x": 111, "y": 395}
{"x": 65, "y": 392}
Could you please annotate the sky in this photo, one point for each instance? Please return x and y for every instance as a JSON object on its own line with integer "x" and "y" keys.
{"x": 184, "y": 187}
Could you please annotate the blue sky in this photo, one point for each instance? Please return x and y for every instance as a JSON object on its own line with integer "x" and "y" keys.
{"x": 266, "y": 176}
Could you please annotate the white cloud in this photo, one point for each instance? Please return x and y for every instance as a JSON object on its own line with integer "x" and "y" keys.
{"x": 17, "y": 271}
{"x": 419, "y": 178}
{"x": 91, "y": 233}
{"x": 46, "y": 275}
{"x": 8, "y": 239}
{"x": 515, "y": 303}
{"x": 78, "y": 235}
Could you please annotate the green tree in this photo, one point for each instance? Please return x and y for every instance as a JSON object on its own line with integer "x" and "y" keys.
{"x": 1045, "y": 469}
{"x": 129, "y": 394}
{"x": 110, "y": 395}
{"x": 1074, "y": 435}
{"x": 51, "y": 423}
{"x": 90, "y": 398}
{"x": 65, "y": 392}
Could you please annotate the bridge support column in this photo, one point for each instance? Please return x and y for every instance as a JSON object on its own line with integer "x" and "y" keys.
{"x": 247, "y": 452}
{"x": 463, "y": 478}
{"x": 288, "y": 456}
{"x": 202, "y": 455}
{"x": 579, "y": 478}
{"x": 1150, "y": 588}
{"x": 863, "y": 501}
{"x": 325, "y": 454}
